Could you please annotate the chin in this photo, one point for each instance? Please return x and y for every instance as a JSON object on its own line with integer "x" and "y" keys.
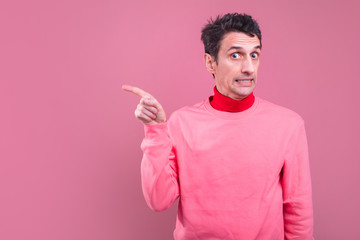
{"x": 243, "y": 95}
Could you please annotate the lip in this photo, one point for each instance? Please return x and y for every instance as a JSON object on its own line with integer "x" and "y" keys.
{"x": 244, "y": 79}
{"x": 239, "y": 79}
{"x": 247, "y": 83}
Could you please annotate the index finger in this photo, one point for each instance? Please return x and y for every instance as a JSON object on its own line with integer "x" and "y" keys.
{"x": 136, "y": 90}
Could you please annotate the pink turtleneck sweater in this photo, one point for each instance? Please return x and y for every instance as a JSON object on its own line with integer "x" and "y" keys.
{"x": 239, "y": 175}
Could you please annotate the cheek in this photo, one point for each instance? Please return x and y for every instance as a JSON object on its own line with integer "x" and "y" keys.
{"x": 222, "y": 70}
{"x": 229, "y": 69}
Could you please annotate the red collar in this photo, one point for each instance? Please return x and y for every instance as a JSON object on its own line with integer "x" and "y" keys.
{"x": 226, "y": 104}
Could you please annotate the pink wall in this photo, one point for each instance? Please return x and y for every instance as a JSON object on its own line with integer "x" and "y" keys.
{"x": 70, "y": 145}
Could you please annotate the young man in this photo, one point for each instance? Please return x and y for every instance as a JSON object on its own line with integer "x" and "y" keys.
{"x": 238, "y": 162}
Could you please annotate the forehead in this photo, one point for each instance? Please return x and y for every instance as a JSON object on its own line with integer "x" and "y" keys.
{"x": 239, "y": 39}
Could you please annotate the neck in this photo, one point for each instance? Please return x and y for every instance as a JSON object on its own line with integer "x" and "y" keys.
{"x": 226, "y": 104}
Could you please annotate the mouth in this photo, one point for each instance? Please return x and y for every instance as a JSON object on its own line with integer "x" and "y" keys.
{"x": 244, "y": 82}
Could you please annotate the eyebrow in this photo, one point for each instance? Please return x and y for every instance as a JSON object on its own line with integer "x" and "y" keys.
{"x": 240, "y": 48}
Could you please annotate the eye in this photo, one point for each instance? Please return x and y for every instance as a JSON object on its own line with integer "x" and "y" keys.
{"x": 254, "y": 55}
{"x": 235, "y": 55}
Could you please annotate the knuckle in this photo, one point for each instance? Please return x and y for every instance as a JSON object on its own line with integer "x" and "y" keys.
{"x": 137, "y": 113}
{"x": 154, "y": 110}
{"x": 140, "y": 107}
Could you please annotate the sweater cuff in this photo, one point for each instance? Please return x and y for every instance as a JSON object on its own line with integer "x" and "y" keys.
{"x": 153, "y": 131}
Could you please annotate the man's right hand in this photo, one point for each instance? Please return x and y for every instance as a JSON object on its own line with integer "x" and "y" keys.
{"x": 149, "y": 110}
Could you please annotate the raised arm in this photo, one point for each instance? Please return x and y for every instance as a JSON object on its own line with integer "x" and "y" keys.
{"x": 159, "y": 174}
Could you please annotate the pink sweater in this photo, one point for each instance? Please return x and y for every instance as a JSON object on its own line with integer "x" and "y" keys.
{"x": 241, "y": 176}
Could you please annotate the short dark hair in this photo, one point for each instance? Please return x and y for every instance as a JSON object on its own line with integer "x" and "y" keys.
{"x": 214, "y": 30}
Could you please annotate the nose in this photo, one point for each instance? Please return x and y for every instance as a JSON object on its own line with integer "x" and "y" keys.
{"x": 247, "y": 66}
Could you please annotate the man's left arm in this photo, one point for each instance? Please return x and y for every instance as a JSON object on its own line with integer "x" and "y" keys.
{"x": 297, "y": 190}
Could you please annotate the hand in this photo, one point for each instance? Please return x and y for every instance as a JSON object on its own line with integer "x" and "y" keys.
{"x": 149, "y": 110}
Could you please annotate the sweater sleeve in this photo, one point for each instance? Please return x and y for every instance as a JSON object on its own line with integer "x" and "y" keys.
{"x": 297, "y": 190}
{"x": 159, "y": 175}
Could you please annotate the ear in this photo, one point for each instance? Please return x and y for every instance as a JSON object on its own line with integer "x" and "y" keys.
{"x": 210, "y": 63}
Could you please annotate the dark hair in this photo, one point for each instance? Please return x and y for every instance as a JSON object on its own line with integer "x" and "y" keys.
{"x": 214, "y": 31}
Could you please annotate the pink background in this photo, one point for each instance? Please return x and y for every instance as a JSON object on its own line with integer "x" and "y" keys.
{"x": 70, "y": 144}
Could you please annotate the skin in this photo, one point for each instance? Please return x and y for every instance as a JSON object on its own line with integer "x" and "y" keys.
{"x": 238, "y": 59}
{"x": 149, "y": 110}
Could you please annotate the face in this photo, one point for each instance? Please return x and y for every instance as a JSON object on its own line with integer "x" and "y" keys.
{"x": 237, "y": 64}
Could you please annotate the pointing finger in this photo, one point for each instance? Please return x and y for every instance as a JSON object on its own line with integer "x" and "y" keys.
{"x": 135, "y": 90}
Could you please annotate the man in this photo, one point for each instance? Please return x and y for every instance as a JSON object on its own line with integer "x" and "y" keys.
{"x": 238, "y": 162}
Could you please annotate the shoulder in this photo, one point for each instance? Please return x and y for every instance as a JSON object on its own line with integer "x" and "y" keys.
{"x": 185, "y": 111}
{"x": 277, "y": 112}
{"x": 188, "y": 114}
